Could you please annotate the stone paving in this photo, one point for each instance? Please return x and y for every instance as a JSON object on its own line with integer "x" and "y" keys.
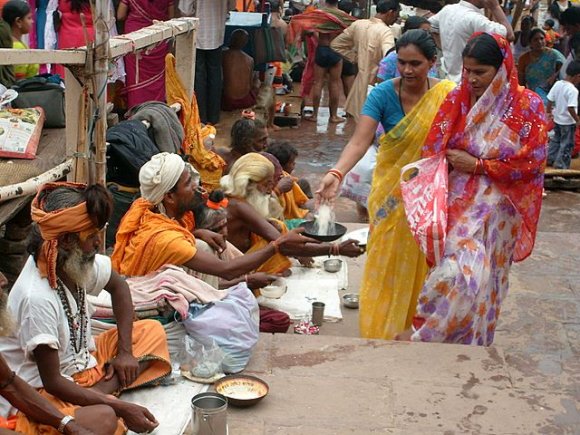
{"x": 527, "y": 383}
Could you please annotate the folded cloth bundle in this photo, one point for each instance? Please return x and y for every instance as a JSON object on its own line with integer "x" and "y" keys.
{"x": 169, "y": 283}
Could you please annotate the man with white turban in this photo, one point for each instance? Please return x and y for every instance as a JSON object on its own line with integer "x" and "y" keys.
{"x": 158, "y": 229}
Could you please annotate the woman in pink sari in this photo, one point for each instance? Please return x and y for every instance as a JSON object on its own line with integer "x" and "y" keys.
{"x": 145, "y": 80}
{"x": 69, "y": 28}
{"x": 494, "y": 135}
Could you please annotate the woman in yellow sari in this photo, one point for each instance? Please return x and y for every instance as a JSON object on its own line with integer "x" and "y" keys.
{"x": 406, "y": 106}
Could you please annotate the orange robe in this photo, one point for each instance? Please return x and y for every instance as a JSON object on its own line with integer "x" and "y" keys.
{"x": 209, "y": 165}
{"x": 149, "y": 344}
{"x": 147, "y": 240}
{"x": 278, "y": 263}
{"x": 292, "y": 200}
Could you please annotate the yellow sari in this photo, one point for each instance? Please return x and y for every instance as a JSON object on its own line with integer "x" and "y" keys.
{"x": 395, "y": 269}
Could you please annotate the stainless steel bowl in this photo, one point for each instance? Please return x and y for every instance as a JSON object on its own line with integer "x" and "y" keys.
{"x": 332, "y": 265}
{"x": 350, "y": 300}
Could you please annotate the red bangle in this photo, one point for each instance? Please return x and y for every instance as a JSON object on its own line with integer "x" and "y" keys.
{"x": 336, "y": 173}
{"x": 276, "y": 246}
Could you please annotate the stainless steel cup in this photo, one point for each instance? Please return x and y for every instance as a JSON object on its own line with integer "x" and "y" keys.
{"x": 209, "y": 414}
{"x": 317, "y": 313}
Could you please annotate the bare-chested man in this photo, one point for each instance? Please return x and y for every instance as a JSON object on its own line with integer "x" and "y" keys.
{"x": 327, "y": 61}
{"x": 247, "y": 135}
{"x": 327, "y": 23}
{"x": 277, "y": 21}
{"x": 240, "y": 82}
{"x": 249, "y": 188}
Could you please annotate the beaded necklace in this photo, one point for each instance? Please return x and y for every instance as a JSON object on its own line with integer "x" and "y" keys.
{"x": 77, "y": 323}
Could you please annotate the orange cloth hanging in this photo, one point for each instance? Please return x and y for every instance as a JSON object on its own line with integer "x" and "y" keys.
{"x": 208, "y": 164}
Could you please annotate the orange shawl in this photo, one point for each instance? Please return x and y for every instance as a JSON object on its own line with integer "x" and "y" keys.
{"x": 208, "y": 164}
{"x": 278, "y": 263}
{"x": 147, "y": 240}
{"x": 292, "y": 200}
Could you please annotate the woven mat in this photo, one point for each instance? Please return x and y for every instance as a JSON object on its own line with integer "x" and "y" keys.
{"x": 51, "y": 152}
{"x": 14, "y": 171}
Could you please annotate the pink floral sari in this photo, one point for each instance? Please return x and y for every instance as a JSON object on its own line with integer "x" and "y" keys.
{"x": 492, "y": 218}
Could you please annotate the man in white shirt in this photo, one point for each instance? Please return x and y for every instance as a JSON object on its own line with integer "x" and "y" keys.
{"x": 366, "y": 42}
{"x": 89, "y": 420}
{"x": 52, "y": 346}
{"x": 210, "y": 34}
{"x": 563, "y": 108}
{"x": 456, "y": 23}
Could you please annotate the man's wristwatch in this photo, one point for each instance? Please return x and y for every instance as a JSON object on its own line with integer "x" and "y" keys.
{"x": 65, "y": 420}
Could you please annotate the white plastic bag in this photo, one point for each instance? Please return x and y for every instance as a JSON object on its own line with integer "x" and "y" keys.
{"x": 202, "y": 361}
{"x": 233, "y": 323}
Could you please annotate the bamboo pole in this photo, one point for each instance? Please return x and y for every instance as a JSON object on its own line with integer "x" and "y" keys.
{"x": 101, "y": 70}
{"x": 30, "y": 186}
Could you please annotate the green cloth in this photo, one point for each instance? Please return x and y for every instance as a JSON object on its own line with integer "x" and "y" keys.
{"x": 293, "y": 223}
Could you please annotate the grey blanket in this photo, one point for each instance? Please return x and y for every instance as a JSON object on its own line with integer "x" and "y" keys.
{"x": 167, "y": 130}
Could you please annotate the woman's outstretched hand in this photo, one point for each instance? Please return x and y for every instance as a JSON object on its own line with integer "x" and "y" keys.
{"x": 327, "y": 190}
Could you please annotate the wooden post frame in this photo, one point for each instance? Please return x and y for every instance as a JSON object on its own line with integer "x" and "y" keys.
{"x": 180, "y": 29}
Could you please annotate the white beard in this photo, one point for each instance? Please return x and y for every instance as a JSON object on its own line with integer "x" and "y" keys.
{"x": 276, "y": 210}
{"x": 79, "y": 267}
{"x": 259, "y": 200}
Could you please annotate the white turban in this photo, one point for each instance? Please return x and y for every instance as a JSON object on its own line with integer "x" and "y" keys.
{"x": 159, "y": 175}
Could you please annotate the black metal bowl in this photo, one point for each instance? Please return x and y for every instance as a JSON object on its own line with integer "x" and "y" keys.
{"x": 339, "y": 231}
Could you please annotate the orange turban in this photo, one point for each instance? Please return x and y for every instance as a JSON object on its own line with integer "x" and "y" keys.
{"x": 55, "y": 223}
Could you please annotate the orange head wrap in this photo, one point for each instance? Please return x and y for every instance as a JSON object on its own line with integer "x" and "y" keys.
{"x": 217, "y": 205}
{"x": 56, "y": 223}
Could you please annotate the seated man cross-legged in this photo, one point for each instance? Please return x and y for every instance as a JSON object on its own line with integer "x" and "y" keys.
{"x": 158, "y": 228}
{"x": 90, "y": 420}
{"x": 52, "y": 347}
{"x": 213, "y": 215}
{"x": 253, "y": 215}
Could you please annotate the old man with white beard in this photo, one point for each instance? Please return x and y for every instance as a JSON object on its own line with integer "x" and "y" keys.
{"x": 251, "y": 223}
{"x": 52, "y": 347}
